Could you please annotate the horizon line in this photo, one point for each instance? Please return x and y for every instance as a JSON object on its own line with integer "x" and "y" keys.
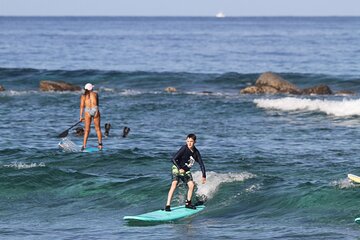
{"x": 203, "y": 16}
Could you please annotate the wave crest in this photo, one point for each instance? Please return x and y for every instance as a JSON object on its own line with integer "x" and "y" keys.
{"x": 214, "y": 180}
{"x": 20, "y": 165}
{"x": 342, "y": 108}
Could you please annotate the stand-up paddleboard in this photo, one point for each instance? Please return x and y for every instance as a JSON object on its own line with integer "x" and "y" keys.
{"x": 357, "y": 220}
{"x": 176, "y": 213}
{"x": 92, "y": 149}
{"x": 86, "y": 150}
{"x": 354, "y": 178}
{"x": 69, "y": 146}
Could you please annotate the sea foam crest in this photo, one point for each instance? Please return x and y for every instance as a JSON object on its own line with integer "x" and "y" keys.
{"x": 11, "y": 93}
{"x": 68, "y": 146}
{"x": 130, "y": 92}
{"x": 341, "y": 108}
{"x": 344, "y": 183}
{"x": 213, "y": 181}
{"x": 20, "y": 165}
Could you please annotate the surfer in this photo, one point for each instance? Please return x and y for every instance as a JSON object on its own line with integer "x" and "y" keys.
{"x": 126, "y": 131}
{"x": 183, "y": 160}
{"x": 79, "y": 131}
{"x": 90, "y": 102}
{"x": 107, "y": 129}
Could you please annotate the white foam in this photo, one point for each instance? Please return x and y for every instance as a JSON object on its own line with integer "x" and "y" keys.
{"x": 130, "y": 92}
{"x": 68, "y": 146}
{"x": 105, "y": 89}
{"x": 20, "y": 165}
{"x": 14, "y": 93}
{"x": 214, "y": 180}
{"x": 341, "y": 108}
{"x": 205, "y": 93}
{"x": 11, "y": 93}
{"x": 344, "y": 183}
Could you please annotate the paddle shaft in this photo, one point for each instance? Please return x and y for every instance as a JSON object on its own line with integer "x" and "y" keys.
{"x": 66, "y": 132}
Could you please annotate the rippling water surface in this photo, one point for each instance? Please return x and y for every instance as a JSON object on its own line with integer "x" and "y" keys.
{"x": 276, "y": 165}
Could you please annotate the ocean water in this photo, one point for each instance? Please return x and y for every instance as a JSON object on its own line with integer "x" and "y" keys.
{"x": 276, "y": 165}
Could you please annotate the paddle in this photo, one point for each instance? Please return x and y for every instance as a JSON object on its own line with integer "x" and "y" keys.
{"x": 66, "y": 132}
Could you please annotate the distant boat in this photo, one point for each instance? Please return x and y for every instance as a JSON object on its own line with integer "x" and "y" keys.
{"x": 220, "y": 15}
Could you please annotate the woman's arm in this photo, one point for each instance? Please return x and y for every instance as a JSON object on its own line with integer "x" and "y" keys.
{"x": 82, "y": 104}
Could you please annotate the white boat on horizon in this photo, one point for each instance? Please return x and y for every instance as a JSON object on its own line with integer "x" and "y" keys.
{"x": 220, "y": 15}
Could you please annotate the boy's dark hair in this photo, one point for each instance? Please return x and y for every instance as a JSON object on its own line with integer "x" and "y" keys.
{"x": 192, "y": 136}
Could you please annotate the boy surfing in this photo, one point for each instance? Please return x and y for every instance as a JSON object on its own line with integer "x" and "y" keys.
{"x": 183, "y": 160}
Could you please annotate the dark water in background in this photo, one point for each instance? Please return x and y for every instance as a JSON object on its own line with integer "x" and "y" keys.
{"x": 276, "y": 165}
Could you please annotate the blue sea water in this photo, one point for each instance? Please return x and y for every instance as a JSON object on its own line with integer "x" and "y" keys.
{"x": 276, "y": 165}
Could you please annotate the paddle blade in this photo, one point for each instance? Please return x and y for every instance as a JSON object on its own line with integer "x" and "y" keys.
{"x": 64, "y": 134}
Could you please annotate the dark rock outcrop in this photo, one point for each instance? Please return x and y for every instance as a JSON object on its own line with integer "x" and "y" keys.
{"x": 170, "y": 89}
{"x": 345, "y": 92}
{"x": 271, "y": 83}
{"x": 58, "y": 86}
{"x": 318, "y": 90}
{"x": 275, "y": 81}
{"x": 2, "y": 88}
{"x": 259, "y": 90}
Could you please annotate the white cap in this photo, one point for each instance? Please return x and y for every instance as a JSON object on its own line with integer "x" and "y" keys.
{"x": 89, "y": 86}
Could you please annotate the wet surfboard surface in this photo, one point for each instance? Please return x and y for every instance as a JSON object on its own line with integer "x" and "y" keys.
{"x": 92, "y": 149}
{"x": 69, "y": 146}
{"x": 176, "y": 213}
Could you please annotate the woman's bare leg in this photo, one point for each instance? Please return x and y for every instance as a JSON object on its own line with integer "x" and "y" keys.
{"x": 98, "y": 129}
{"x": 87, "y": 128}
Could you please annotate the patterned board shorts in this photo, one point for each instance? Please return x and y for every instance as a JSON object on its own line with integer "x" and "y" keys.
{"x": 176, "y": 176}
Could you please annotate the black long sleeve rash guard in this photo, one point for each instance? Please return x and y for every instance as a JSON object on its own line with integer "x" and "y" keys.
{"x": 182, "y": 157}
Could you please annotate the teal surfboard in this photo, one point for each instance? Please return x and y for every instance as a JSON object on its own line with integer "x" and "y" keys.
{"x": 357, "y": 220}
{"x": 176, "y": 213}
{"x": 92, "y": 149}
{"x": 86, "y": 150}
{"x": 69, "y": 146}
